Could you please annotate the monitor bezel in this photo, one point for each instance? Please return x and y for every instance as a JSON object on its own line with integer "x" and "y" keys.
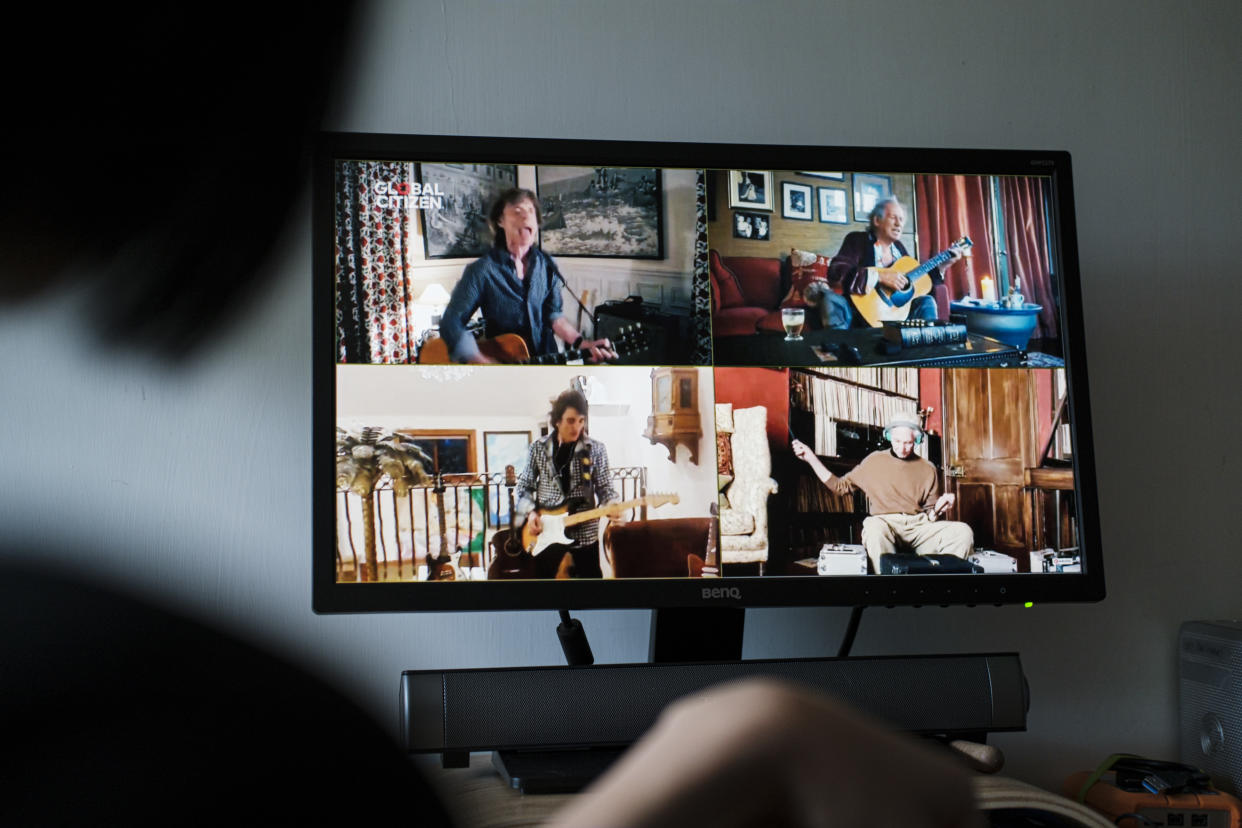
{"x": 330, "y": 596}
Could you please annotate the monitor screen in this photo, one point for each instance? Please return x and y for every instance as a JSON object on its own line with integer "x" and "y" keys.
{"x": 573, "y": 374}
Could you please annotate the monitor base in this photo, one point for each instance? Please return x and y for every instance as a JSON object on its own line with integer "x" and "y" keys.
{"x": 553, "y": 771}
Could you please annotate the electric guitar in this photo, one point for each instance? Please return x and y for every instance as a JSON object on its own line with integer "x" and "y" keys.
{"x": 882, "y": 304}
{"x": 511, "y": 349}
{"x": 556, "y": 521}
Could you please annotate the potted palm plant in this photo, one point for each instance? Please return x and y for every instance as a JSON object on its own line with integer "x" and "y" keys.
{"x": 363, "y": 459}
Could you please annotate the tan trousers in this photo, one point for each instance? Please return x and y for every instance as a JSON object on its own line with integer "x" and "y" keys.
{"x": 883, "y": 534}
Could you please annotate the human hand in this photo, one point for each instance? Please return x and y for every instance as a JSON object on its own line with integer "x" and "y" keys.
{"x": 892, "y": 279}
{"x": 534, "y": 522}
{"x": 944, "y": 503}
{"x": 760, "y": 752}
{"x": 801, "y": 450}
{"x": 600, "y": 350}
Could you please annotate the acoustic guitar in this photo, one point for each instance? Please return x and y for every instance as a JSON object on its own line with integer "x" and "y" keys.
{"x": 511, "y": 349}
{"x": 882, "y": 304}
{"x": 509, "y": 560}
{"x": 556, "y": 521}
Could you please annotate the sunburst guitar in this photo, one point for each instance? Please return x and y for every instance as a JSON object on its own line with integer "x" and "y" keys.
{"x": 882, "y": 304}
{"x": 556, "y": 521}
{"x": 511, "y": 349}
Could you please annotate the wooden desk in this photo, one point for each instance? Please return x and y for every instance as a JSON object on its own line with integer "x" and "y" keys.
{"x": 770, "y": 348}
{"x": 478, "y": 798}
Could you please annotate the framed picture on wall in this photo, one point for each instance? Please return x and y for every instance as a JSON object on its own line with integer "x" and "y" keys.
{"x": 796, "y": 201}
{"x": 835, "y": 176}
{"x": 868, "y": 189}
{"x": 753, "y": 226}
{"x": 750, "y": 189}
{"x": 603, "y": 212}
{"x": 833, "y": 205}
{"x": 457, "y": 229}
{"x": 505, "y": 448}
{"x": 451, "y": 451}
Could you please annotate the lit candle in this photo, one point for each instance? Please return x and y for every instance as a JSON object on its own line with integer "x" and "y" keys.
{"x": 989, "y": 290}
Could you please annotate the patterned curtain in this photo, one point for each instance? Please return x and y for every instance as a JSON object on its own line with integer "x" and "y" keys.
{"x": 373, "y": 321}
{"x": 701, "y": 286}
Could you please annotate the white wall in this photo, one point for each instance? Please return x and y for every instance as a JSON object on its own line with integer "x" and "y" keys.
{"x": 194, "y": 483}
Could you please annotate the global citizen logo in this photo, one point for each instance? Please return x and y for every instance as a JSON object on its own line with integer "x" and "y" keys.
{"x": 407, "y": 195}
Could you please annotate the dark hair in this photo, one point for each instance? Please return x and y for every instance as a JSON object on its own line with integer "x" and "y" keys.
{"x": 568, "y": 399}
{"x": 513, "y": 195}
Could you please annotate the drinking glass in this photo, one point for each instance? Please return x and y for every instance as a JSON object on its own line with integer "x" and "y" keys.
{"x": 793, "y": 319}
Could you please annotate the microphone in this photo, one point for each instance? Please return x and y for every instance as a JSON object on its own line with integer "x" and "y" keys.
{"x": 589, "y": 315}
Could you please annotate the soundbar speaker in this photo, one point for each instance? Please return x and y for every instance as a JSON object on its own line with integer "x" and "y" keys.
{"x": 544, "y": 708}
{"x": 1210, "y": 699}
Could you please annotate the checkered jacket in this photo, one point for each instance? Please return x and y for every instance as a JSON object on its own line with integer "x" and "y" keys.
{"x": 590, "y": 483}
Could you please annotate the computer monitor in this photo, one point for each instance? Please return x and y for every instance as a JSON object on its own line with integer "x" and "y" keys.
{"x": 835, "y": 376}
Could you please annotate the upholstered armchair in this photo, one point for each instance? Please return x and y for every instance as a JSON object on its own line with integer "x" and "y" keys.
{"x": 667, "y": 548}
{"x": 744, "y": 466}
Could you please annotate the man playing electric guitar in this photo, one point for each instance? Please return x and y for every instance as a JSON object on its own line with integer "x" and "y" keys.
{"x": 565, "y": 468}
{"x": 518, "y": 288}
{"x": 864, "y": 261}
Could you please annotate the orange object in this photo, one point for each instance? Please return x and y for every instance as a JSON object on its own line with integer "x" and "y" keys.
{"x": 1207, "y": 809}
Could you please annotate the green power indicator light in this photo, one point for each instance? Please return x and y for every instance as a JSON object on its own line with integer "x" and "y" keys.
{"x": 1029, "y": 604}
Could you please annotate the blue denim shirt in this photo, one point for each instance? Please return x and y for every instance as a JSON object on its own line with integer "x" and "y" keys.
{"x": 510, "y": 305}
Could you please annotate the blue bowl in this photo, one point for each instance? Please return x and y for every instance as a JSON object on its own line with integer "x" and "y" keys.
{"x": 1012, "y": 326}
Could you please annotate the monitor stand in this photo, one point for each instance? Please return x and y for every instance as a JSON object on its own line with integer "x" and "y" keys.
{"x": 678, "y": 636}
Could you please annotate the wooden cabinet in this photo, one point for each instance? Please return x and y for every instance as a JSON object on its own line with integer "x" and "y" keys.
{"x": 675, "y": 410}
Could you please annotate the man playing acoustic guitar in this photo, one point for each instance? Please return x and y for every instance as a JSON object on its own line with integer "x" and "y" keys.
{"x": 517, "y": 286}
{"x": 865, "y": 260}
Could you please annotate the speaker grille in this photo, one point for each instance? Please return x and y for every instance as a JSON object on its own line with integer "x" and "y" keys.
{"x": 564, "y": 707}
{"x": 1210, "y": 693}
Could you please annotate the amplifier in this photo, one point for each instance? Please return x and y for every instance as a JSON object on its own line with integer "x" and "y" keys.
{"x": 669, "y": 334}
{"x": 545, "y": 708}
{"x": 1210, "y": 699}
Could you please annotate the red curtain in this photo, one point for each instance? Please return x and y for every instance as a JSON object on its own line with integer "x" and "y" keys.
{"x": 949, "y": 207}
{"x": 1026, "y": 239}
{"x": 952, "y": 206}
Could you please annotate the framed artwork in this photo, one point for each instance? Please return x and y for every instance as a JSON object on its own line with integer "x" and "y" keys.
{"x": 835, "y": 176}
{"x": 750, "y": 189}
{"x": 457, "y": 229}
{"x": 796, "y": 201}
{"x": 833, "y": 206}
{"x": 753, "y": 226}
{"x": 868, "y": 189}
{"x": 603, "y": 212}
{"x": 500, "y": 449}
{"x": 451, "y": 450}
{"x": 505, "y": 448}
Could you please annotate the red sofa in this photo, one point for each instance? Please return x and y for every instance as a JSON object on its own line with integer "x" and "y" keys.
{"x": 746, "y": 295}
{"x": 748, "y": 292}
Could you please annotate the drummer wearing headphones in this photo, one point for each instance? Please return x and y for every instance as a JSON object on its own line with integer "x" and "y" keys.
{"x": 903, "y": 495}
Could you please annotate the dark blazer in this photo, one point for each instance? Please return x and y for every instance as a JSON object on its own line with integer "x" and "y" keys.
{"x": 848, "y": 269}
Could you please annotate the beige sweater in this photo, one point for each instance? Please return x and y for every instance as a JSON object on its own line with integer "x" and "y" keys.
{"x": 892, "y": 485}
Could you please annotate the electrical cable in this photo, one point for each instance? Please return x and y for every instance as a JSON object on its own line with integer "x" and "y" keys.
{"x": 851, "y": 630}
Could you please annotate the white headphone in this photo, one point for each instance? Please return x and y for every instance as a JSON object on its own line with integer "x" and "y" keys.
{"x": 905, "y": 421}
